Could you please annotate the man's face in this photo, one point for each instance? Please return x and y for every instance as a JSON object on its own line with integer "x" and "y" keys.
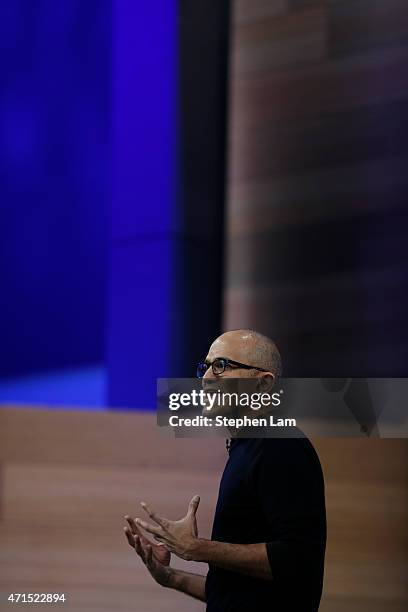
{"x": 234, "y": 346}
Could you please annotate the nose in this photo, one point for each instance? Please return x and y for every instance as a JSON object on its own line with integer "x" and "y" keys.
{"x": 209, "y": 374}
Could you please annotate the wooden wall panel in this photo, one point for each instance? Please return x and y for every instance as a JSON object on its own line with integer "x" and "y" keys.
{"x": 367, "y": 511}
{"x": 69, "y": 477}
{"x": 316, "y": 232}
{"x": 317, "y": 182}
{"x": 67, "y": 480}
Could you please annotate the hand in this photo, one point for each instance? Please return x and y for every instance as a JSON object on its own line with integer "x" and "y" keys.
{"x": 179, "y": 537}
{"x": 155, "y": 556}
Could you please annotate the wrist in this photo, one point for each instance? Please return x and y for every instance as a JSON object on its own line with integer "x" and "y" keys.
{"x": 199, "y": 550}
{"x": 178, "y": 580}
{"x": 173, "y": 579}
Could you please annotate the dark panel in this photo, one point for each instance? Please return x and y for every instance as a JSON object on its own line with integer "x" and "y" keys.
{"x": 204, "y": 38}
{"x": 166, "y": 249}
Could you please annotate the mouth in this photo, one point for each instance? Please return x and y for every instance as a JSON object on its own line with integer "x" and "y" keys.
{"x": 207, "y": 404}
{"x": 206, "y": 401}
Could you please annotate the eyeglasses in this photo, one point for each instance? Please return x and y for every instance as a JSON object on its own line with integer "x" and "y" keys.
{"x": 220, "y": 363}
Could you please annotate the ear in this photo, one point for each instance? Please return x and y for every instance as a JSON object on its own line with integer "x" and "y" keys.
{"x": 266, "y": 381}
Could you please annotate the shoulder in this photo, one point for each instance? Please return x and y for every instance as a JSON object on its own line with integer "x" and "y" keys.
{"x": 293, "y": 454}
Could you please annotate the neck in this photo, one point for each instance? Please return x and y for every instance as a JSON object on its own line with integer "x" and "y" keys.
{"x": 235, "y": 432}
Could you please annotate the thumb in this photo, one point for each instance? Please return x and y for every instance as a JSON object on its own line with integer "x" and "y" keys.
{"x": 193, "y": 505}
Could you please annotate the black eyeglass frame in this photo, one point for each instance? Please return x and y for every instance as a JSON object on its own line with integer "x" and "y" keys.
{"x": 227, "y": 362}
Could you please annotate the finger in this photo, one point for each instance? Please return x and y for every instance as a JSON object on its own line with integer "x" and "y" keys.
{"x": 193, "y": 505}
{"x": 149, "y": 556}
{"x": 160, "y": 541}
{"x": 131, "y": 523}
{"x": 135, "y": 529}
{"x": 149, "y": 528}
{"x": 139, "y": 549}
{"x": 157, "y": 519}
{"x": 129, "y": 536}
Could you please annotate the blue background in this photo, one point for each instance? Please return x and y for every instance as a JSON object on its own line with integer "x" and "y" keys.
{"x": 87, "y": 142}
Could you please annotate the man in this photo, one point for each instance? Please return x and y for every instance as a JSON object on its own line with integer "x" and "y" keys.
{"x": 269, "y": 532}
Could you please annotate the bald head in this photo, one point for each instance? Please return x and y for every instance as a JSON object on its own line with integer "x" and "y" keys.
{"x": 249, "y": 347}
